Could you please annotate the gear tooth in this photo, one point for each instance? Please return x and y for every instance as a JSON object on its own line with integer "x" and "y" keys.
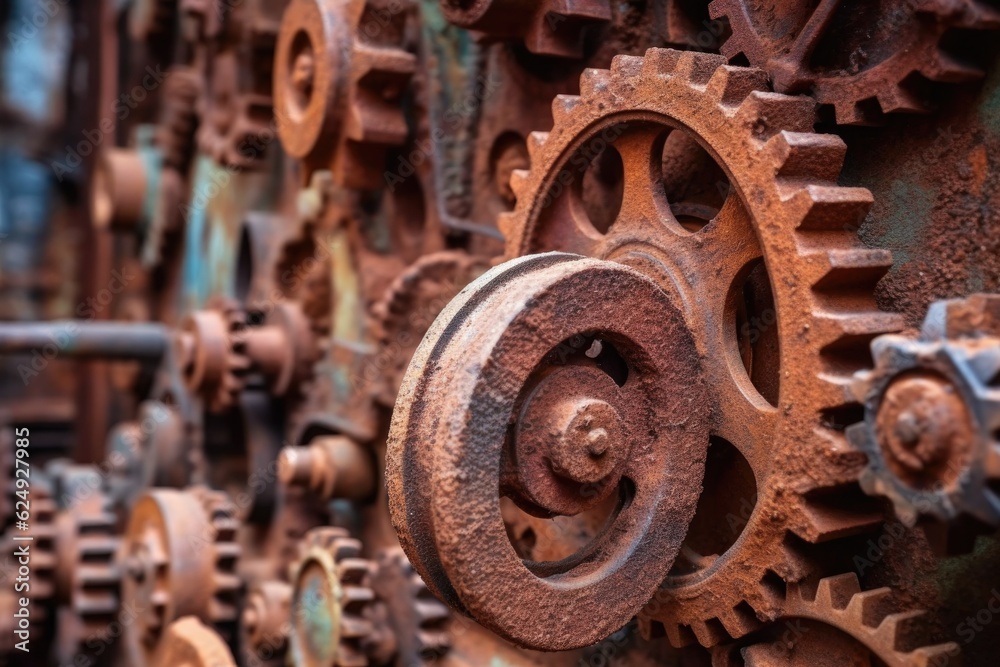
{"x": 624, "y": 66}
{"x": 506, "y": 223}
{"x": 730, "y": 85}
{"x": 832, "y": 329}
{"x": 855, "y": 269}
{"x": 383, "y": 64}
{"x": 519, "y": 182}
{"x": 832, "y": 208}
{"x": 562, "y": 107}
{"x": 536, "y": 141}
{"x": 739, "y": 622}
{"x": 430, "y": 611}
{"x": 807, "y": 156}
{"x": 900, "y": 100}
{"x": 822, "y": 523}
{"x": 346, "y": 547}
{"x": 939, "y": 655}
{"x": 709, "y": 633}
{"x": 352, "y": 570}
{"x": 894, "y": 626}
{"x": 760, "y": 655}
{"x": 947, "y": 68}
{"x": 220, "y": 611}
{"x": 851, "y": 113}
{"x": 593, "y": 83}
{"x": 679, "y": 636}
{"x": 698, "y": 68}
{"x": 769, "y": 113}
{"x": 356, "y": 597}
{"x": 868, "y": 608}
{"x": 375, "y": 122}
{"x": 836, "y": 592}
{"x": 352, "y": 627}
{"x": 660, "y": 61}
{"x": 226, "y": 582}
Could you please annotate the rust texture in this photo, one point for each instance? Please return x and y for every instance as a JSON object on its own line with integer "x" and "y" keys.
{"x": 454, "y": 333}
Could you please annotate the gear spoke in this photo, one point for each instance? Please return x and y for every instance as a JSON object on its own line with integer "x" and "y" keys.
{"x": 642, "y": 209}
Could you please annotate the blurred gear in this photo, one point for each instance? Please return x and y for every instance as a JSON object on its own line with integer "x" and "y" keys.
{"x": 213, "y": 352}
{"x": 548, "y": 28}
{"x": 818, "y": 48}
{"x": 179, "y": 558}
{"x": 932, "y": 414}
{"x": 340, "y": 71}
{"x": 190, "y": 643}
{"x": 330, "y": 602}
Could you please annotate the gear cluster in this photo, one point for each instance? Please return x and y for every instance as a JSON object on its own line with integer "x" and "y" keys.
{"x": 498, "y": 332}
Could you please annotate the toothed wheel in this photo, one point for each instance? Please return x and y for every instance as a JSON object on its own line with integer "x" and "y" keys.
{"x": 179, "y": 558}
{"x": 867, "y": 626}
{"x": 692, "y": 172}
{"x": 861, "y": 60}
{"x": 88, "y": 578}
{"x": 330, "y": 602}
{"x": 932, "y": 416}
{"x": 214, "y": 356}
{"x": 550, "y": 28}
{"x": 419, "y": 620}
{"x": 338, "y": 85}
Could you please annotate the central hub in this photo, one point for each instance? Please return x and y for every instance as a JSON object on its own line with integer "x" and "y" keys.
{"x": 571, "y": 440}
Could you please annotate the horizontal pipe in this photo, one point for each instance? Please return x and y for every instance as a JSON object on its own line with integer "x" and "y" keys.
{"x": 85, "y": 340}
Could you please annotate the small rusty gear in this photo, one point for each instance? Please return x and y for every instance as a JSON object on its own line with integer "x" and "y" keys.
{"x": 213, "y": 353}
{"x": 769, "y": 219}
{"x": 549, "y": 28}
{"x": 418, "y": 620}
{"x": 188, "y": 642}
{"x": 178, "y": 122}
{"x": 264, "y": 623}
{"x": 283, "y": 348}
{"x": 179, "y": 558}
{"x": 88, "y": 578}
{"x": 330, "y": 601}
{"x": 340, "y": 70}
{"x": 861, "y": 61}
{"x": 932, "y": 415}
{"x": 869, "y": 622}
{"x": 403, "y": 315}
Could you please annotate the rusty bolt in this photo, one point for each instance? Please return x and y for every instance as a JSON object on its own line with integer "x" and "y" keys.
{"x": 924, "y": 424}
{"x": 330, "y": 467}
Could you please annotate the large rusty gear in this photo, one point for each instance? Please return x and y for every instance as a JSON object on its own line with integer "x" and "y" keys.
{"x": 870, "y": 622}
{"x": 213, "y": 353}
{"x": 340, "y": 70}
{"x": 190, "y": 643}
{"x": 550, "y": 27}
{"x": 330, "y": 601}
{"x": 179, "y": 558}
{"x": 932, "y": 416}
{"x": 782, "y": 209}
{"x": 418, "y": 620}
{"x": 877, "y": 65}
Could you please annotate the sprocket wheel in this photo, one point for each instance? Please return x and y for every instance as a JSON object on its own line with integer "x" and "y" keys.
{"x": 767, "y": 230}
{"x": 933, "y": 416}
{"x": 179, "y": 558}
{"x": 867, "y": 625}
{"x": 340, "y": 71}
{"x": 330, "y": 602}
{"x": 861, "y": 60}
{"x": 213, "y": 354}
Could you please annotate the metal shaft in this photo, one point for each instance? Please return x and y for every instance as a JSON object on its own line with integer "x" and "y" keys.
{"x": 85, "y": 340}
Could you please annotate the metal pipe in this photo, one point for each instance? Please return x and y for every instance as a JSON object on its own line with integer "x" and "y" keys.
{"x": 85, "y": 340}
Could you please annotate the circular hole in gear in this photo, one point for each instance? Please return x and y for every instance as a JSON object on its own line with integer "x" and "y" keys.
{"x": 539, "y": 540}
{"x": 600, "y": 189}
{"x": 724, "y": 508}
{"x": 509, "y": 152}
{"x": 301, "y": 70}
{"x": 754, "y": 323}
{"x": 694, "y": 184}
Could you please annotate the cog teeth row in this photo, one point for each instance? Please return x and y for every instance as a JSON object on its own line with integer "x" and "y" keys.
{"x": 740, "y": 621}
{"x": 870, "y": 607}
{"x": 352, "y": 570}
{"x": 851, "y": 270}
{"x": 731, "y": 85}
{"x": 823, "y": 523}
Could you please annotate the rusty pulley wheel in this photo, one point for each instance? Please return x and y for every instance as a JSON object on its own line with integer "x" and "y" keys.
{"x": 457, "y": 444}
